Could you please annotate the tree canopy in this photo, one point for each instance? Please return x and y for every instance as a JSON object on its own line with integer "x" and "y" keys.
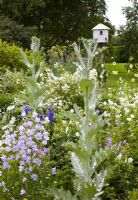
{"x": 56, "y": 20}
{"x": 129, "y": 33}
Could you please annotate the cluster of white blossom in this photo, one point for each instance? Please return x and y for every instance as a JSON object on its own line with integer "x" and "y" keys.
{"x": 93, "y": 74}
{"x": 60, "y": 89}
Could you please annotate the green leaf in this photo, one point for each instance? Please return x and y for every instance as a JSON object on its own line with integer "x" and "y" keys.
{"x": 61, "y": 194}
{"x": 71, "y": 116}
{"x": 76, "y": 108}
{"x": 86, "y": 85}
{"x": 87, "y": 192}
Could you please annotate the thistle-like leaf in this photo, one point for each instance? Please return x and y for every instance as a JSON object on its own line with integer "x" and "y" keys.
{"x": 25, "y": 60}
{"x": 78, "y": 167}
{"x": 61, "y": 194}
{"x": 76, "y": 108}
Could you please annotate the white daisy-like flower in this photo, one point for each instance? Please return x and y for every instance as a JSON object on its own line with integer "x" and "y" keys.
{"x": 130, "y": 160}
{"x": 77, "y": 134}
{"x": 129, "y": 119}
{"x": 115, "y": 72}
{"x": 9, "y": 108}
{"x": 136, "y": 75}
{"x": 132, "y": 80}
{"x": 132, "y": 116}
{"x": 131, "y": 66}
{"x": 72, "y": 110}
{"x": 93, "y": 74}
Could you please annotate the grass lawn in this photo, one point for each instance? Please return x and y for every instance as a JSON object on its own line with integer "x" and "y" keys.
{"x": 113, "y": 79}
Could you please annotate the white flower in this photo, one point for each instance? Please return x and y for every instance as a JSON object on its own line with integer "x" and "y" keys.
{"x": 1, "y": 147}
{"x": 72, "y": 110}
{"x": 101, "y": 76}
{"x": 106, "y": 114}
{"x": 132, "y": 80}
{"x": 41, "y": 75}
{"x": 93, "y": 74}
{"x": 46, "y": 120}
{"x": 65, "y": 87}
{"x": 119, "y": 156}
{"x": 77, "y": 134}
{"x": 131, "y": 66}
{"x": 129, "y": 119}
{"x": 114, "y": 63}
{"x": 120, "y": 79}
{"x": 67, "y": 130}
{"x": 10, "y": 108}
{"x": 136, "y": 75}
{"x": 96, "y": 53}
{"x": 39, "y": 85}
{"x": 23, "y": 114}
{"x": 104, "y": 103}
{"x": 126, "y": 110}
{"x": 77, "y": 123}
{"x": 40, "y": 104}
{"x": 34, "y": 114}
{"x": 56, "y": 65}
{"x": 60, "y": 102}
{"x": 37, "y": 119}
{"x": 12, "y": 120}
{"x": 17, "y": 81}
{"x": 115, "y": 72}
{"x": 110, "y": 102}
{"x": 4, "y": 127}
{"x": 132, "y": 116}
{"x": 130, "y": 160}
{"x": 118, "y": 116}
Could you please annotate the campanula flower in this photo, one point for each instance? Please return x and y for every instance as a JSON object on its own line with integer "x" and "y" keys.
{"x": 54, "y": 171}
{"x": 22, "y": 192}
{"x": 109, "y": 140}
{"x": 34, "y": 177}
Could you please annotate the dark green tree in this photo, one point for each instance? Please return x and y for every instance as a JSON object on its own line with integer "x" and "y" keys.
{"x": 11, "y": 31}
{"x": 129, "y": 34}
{"x": 57, "y": 20}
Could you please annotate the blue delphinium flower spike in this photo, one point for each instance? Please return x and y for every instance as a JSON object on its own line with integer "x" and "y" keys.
{"x": 51, "y": 115}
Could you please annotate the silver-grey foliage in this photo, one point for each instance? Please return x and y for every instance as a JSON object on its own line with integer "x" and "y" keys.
{"x": 87, "y": 156}
{"x": 33, "y": 93}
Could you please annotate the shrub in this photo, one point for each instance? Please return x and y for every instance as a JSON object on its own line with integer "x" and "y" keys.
{"x": 10, "y": 57}
{"x": 10, "y": 85}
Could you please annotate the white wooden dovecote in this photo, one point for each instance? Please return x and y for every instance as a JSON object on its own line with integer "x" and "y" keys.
{"x": 101, "y": 32}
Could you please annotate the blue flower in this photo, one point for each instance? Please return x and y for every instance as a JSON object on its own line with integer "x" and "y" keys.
{"x": 34, "y": 177}
{"x": 51, "y": 115}
{"x": 54, "y": 171}
{"x": 22, "y": 192}
{"x": 40, "y": 117}
{"x": 26, "y": 110}
{"x": 109, "y": 141}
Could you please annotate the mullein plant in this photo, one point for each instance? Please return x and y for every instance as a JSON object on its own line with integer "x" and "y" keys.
{"x": 34, "y": 92}
{"x": 88, "y": 158}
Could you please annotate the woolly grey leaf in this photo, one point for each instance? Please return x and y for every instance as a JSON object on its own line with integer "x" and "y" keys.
{"x": 78, "y": 167}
